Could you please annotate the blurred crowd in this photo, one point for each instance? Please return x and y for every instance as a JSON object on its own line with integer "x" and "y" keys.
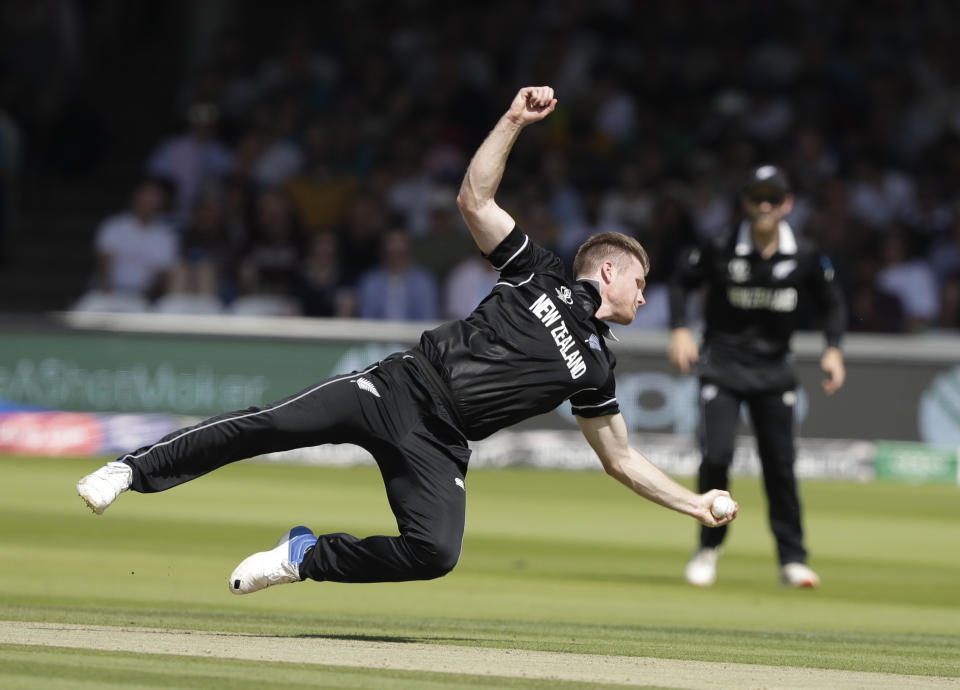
{"x": 315, "y": 170}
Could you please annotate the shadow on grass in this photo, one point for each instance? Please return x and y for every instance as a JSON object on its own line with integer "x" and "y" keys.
{"x": 445, "y": 639}
{"x": 361, "y": 638}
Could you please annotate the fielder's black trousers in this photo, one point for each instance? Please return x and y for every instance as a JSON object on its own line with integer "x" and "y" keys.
{"x": 772, "y": 418}
{"x": 391, "y": 410}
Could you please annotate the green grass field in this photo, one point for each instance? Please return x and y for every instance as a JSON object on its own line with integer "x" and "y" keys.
{"x": 558, "y": 561}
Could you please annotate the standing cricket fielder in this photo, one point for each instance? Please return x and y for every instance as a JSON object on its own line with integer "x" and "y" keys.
{"x": 536, "y": 340}
{"x": 755, "y": 276}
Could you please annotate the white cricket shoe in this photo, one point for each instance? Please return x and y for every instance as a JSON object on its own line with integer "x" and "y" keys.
{"x": 701, "y": 570}
{"x": 798, "y": 575}
{"x": 101, "y": 488}
{"x": 278, "y": 566}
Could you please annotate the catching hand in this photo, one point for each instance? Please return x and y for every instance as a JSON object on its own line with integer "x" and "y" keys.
{"x": 705, "y": 514}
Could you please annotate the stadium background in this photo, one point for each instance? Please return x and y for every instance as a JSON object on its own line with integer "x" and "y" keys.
{"x": 663, "y": 106}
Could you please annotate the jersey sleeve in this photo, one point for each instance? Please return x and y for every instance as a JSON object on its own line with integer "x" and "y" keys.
{"x": 829, "y": 299}
{"x": 689, "y": 274}
{"x": 596, "y": 402}
{"x": 517, "y": 257}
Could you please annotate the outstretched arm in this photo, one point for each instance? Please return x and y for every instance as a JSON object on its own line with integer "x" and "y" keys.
{"x": 489, "y": 223}
{"x": 608, "y": 437}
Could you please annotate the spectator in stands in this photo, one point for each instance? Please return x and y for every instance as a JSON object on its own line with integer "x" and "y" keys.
{"x": 319, "y": 284}
{"x": 812, "y": 162}
{"x": 944, "y": 259}
{"x": 137, "y": 249}
{"x": 272, "y": 257}
{"x": 591, "y": 222}
{"x": 873, "y": 310}
{"x": 281, "y": 156}
{"x": 207, "y": 256}
{"x": 616, "y": 117}
{"x": 710, "y": 205}
{"x": 361, "y": 235}
{"x": 911, "y": 279}
{"x": 467, "y": 284}
{"x": 565, "y": 202}
{"x": 534, "y": 216}
{"x": 933, "y": 213}
{"x": 239, "y": 204}
{"x": 249, "y": 148}
{"x": 191, "y": 159}
{"x": 671, "y": 230}
{"x": 412, "y": 188}
{"x": 446, "y": 241}
{"x": 880, "y": 196}
{"x": 322, "y": 192}
{"x": 630, "y": 202}
{"x": 397, "y": 289}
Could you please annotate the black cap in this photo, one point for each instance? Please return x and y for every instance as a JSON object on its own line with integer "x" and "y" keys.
{"x": 767, "y": 182}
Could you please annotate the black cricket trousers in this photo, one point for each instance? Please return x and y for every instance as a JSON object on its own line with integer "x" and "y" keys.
{"x": 388, "y": 409}
{"x": 772, "y": 419}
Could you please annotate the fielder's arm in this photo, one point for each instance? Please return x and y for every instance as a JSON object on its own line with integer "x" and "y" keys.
{"x": 607, "y": 436}
{"x": 827, "y": 294}
{"x": 489, "y": 224}
{"x": 689, "y": 274}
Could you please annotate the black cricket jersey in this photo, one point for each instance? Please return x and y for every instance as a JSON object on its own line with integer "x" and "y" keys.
{"x": 531, "y": 344}
{"x": 751, "y": 305}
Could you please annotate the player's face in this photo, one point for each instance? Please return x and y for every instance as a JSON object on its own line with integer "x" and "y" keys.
{"x": 765, "y": 211}
{"x": 624, "y": 294}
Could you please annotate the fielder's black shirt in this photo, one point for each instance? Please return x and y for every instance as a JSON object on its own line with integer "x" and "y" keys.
{"x": 751, "y": 305}
{"x": 531, "y": 344}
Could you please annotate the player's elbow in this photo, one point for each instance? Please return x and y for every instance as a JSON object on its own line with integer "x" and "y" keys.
{"x": 613, "y": 467}
{"x": 468, "y": 203}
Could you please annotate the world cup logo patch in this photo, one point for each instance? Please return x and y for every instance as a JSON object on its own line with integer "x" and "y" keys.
{"x": 739, "y": 270}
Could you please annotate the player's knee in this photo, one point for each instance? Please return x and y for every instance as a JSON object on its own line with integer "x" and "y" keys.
{"x": 434, "y": 558}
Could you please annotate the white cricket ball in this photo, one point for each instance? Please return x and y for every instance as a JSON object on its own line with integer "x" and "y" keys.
{"x": 722, "y": 506}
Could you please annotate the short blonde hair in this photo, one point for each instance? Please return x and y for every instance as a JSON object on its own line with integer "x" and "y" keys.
{"x": 614, "y": 246}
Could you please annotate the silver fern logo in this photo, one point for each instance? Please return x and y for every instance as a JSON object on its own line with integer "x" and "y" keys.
{"x": 563, "y": 292}
{"x": 365, "y": 385}
{"x": 782, "y": 269}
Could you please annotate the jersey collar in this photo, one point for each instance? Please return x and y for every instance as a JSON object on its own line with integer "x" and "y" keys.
{"x": 586, "y": 301}
{"x": 786, "y": 244}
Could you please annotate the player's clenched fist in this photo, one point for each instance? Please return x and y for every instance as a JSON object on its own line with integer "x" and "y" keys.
{"x": 531, "y": 104}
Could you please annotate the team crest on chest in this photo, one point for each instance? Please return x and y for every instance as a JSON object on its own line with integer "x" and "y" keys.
{"x": 563, "y": 292}
{"x": 739, "y": 270}
{"x": 782, "y": 269}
